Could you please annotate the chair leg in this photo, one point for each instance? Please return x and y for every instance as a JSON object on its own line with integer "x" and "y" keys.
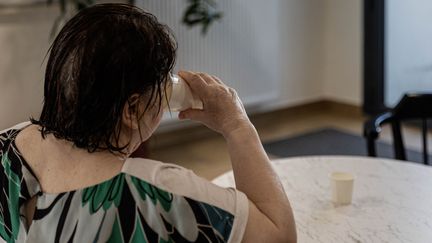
{"x": 398, "y": 141}
{"x": 425, "y": 146}
{"x": 371, "y": 147}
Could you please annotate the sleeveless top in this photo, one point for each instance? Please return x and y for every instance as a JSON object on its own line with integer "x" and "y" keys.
{"x": 148, "y": 201}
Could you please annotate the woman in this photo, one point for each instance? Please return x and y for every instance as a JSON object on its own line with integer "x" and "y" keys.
{"x": 69, "y": 177}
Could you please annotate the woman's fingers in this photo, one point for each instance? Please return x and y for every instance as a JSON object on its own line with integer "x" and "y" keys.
{"x": 207, "y": 78}
{"x": 195, "y": 82}
{"x": 217, "y": 79}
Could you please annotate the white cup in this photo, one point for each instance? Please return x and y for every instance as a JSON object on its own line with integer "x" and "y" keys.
{"x": 180, "y": 95}
{"x": 342, "y": 187}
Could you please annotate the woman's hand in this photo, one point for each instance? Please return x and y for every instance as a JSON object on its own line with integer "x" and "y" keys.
{"x": 222, "y": 111}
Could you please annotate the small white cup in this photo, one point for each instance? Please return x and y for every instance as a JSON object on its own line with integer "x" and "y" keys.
{"x": 342, "y": 187}
{"x": 181, "y": 97}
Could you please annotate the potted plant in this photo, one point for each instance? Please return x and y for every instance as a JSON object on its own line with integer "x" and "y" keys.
{"x": 198, "y": 12}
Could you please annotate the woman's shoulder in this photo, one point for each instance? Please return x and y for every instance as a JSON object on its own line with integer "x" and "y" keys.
{"x": 14, "y": 162}
{"x": 8, "y": 135}
{"x": 223, "y": 209}
{"x": 167, "y": 176}
{"x": 148, "y": 169}
{"x": 16, "y": 127}
{"x": 181, "y": 181}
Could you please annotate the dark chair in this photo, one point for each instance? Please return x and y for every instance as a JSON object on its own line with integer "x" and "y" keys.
{"x": 410, "y": 107}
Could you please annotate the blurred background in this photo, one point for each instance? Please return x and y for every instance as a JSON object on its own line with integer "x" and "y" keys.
{"x": 310, "y": 72}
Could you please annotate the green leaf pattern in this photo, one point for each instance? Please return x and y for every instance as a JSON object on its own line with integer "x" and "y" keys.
{"x": 14, "y": 189}
{"x": 104, "y": 194}
{"x": 155, "y": 194}
{"x": 100, "y": 212}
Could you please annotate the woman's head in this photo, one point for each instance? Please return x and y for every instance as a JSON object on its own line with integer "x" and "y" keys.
{"x": 106, "y": 70}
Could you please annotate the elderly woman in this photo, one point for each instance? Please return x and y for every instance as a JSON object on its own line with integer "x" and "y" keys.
{"x": 69, "y": 177}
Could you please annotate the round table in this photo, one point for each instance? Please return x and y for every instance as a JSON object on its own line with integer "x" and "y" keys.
{"x": 392, "y": 200}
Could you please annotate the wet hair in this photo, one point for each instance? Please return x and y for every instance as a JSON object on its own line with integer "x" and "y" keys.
{"x": 101, "y": 57}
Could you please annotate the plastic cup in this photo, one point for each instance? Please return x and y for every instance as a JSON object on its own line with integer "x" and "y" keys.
{"x": 180, "y": 95}
{"x": 342, "y": 187}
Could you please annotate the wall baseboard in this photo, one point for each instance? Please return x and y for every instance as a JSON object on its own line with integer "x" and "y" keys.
{"x": 195, "y": 131}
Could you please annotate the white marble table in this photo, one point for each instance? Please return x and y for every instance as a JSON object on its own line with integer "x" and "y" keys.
{"x": 392, "y": 200}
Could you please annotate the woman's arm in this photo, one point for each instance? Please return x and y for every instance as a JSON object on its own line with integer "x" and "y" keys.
{"x": 270, "y": 211}
{"x": 270, "y": 215}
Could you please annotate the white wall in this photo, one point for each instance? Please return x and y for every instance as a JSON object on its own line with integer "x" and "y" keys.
{"x": 24, "y": 41}
{"x": 322, "y": 55}
{"x": 343, "y": 43}
{"x": 301, "y": 52}
{"x": 240, "y": 48}
{"x": 319, "y": 57}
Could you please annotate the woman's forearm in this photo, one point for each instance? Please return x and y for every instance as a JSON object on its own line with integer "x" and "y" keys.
{"x": 270, "y": 216}
{"x": 256, "y": 178}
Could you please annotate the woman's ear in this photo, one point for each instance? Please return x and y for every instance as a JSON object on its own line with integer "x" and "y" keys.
{"x": 130, "y": 113}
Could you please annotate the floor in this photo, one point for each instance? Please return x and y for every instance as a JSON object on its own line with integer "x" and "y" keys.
{"x": 206, "y": 153}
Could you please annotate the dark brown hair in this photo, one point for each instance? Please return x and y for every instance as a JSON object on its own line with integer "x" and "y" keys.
{"x": 101, "y": 57}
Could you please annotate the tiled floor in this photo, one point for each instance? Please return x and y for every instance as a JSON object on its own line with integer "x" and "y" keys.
{"x": 208, "y": 156}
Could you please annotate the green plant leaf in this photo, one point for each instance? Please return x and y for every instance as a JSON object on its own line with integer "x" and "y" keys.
{"x": 198, "y": 12}
{"x": 201, "y": 12}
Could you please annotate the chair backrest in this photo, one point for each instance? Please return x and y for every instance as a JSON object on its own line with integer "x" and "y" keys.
{"x": 413, "y": 106}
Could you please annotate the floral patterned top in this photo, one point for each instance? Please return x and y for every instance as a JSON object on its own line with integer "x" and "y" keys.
{"x": 148, "y": 201}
